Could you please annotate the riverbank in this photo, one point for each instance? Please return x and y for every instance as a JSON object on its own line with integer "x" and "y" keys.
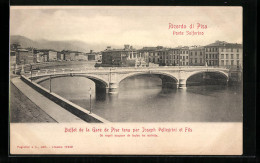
{"x": 44, "y": 105}
{"x": 23, "y": 110}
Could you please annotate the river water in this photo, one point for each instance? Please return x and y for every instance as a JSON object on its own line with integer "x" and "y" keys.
{"x": 142, "y": 99}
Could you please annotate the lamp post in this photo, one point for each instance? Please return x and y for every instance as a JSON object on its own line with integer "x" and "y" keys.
{"x": 31, "y": 71}
{"x": 50, "y": 83}
{"x": 90, "y": 100}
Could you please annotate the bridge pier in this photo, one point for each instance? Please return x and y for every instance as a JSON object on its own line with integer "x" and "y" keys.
{"x": 182, "y": 83}
{"x": 113, "y": 88}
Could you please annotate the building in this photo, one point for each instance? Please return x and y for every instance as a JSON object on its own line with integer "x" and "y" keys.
{"x": 12, "y": 58}
{"x": 60, "y": 56}
{"x": 70, "y": 55}
{"x": 94, "y": 56}
{"x": 197, "y": 56}
{"x": 114, "y": 57}
{"x": 52, "y": 56}
{"x": 24, "y": 56}
{"x": 148, "y": 54}
{"x": 120, "y": 57}
{"x": 39, "y": 57}
{"x": 80, "y": 56}
{"x": 184, "y": 56}
{"x": 231, "y": 55}
{"x": 169, "y": 57}
{"x": 212, "y": 53}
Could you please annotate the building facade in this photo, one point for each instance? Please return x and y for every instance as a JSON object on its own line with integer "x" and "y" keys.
{"x": 120, "y": 57}
{"x": 197, "y": 56}
{"x": 231, "y": 55}
{"x": 184, "y": 56}
{"x": 24, "y": 56}
{"x": 169, "y": 57}
{"x": 212, "y": 53}
{"x": 52, "y": 56}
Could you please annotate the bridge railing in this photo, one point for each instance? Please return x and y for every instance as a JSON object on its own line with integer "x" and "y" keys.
{"x": 114, "y": 69}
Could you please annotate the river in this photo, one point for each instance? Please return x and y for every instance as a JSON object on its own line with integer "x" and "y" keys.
{"x": 142, "y": 99}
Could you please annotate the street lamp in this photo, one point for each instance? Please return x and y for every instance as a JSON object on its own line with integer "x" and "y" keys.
{"x": 50, "y": 83}
{"x": 31, "y": 71}
{"x": 90, "y": 100}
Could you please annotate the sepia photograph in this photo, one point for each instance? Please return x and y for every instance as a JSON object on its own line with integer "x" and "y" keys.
{"x": 127, "y": 65}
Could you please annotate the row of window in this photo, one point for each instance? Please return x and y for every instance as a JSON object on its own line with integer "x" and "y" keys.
{"x": 227, "y": 50}
{"x": 169, "y": 57}
{"x": 196, "y": 53}
{"x": 212, "y": 56}
{"x": 227, "y": 56}
{"x": 195, "y": 60}
{"x": 227, "y": 62}
{"x": 169, "y": 61}
{"x": 211, "y": 49}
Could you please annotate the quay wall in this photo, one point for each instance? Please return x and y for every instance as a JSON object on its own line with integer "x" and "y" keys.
{"x": 66, "y": 104}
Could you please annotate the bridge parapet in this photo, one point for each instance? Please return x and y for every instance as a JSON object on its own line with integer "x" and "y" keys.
{"x": 111, "y": 77}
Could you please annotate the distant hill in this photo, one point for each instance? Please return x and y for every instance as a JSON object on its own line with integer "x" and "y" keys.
{"x": 57, "y": 45}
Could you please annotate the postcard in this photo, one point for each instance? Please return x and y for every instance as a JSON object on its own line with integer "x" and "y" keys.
{"x": 126, "y": 80}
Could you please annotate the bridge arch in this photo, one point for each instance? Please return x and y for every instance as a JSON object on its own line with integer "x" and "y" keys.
{"x": 100, "y": 84}
{"x": 168, "y": 79}
{"x": 147, "y": 73}
{"x": 225, "y": 75}
{"x": 203, "y": 71}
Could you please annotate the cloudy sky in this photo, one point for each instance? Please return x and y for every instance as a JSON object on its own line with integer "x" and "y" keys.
{"x": 143, "y": 26}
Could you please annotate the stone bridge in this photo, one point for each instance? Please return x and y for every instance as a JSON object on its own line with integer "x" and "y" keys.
{"x": 108, "y": 79}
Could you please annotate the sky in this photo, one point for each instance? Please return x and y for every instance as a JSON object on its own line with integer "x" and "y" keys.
{"x": 142, "y": 26}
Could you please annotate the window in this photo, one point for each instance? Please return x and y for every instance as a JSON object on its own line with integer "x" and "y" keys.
{"x": 190, "y": 60}
{"x": 206, "y": 49}
{"x": 231, "y": 49}
{"x": 177, "y": 57}
{"x": 222, "y": 49}
{"x": 195, "y": 53}
{"x": 237, "y": 62}
{"x": 232, "y": 62}
{"x": 200, "y": 53}
{"x": 187, "y": 52}
{"x": 187, "y": 57}
{"x": 206, "y": 55}
{"x": 174, "y": 57}
{"x": 237, "y": 56}
{"x": 237, "y": 50}
{"x": 209, "y": 49}
{"x": 187, "y": 63}
{"x": 195, "y": 60}
{"x": 191, "y": 53}
{"x": 232, "y": 56}
{"x": 222, "y": 56}
{"x": 209, "y": 56}
{"x": 200, "y": 60}
{"x": 222, "y": 62}
{"x": 226, "y": 56}
{"x": 227, "y": 63}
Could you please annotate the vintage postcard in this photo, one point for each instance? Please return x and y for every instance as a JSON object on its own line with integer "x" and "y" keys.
{"x": 126, "y": 80}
